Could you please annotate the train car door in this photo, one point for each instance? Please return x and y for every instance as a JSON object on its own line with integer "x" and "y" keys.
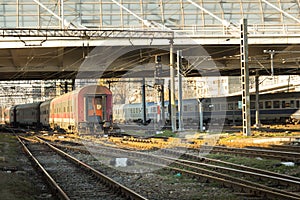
{"x": 95, "y": 109}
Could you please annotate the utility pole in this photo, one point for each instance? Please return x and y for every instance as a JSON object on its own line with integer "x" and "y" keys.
{"x": 257, "y": 122}
{"x": 172, "y": 77}
{"x": 144, "y": 101}
{"x": 180, "y": 106}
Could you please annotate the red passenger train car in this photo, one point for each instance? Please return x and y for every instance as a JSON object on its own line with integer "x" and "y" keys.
{"x": 10, "y": 115}
{"x": 86, "y": 109}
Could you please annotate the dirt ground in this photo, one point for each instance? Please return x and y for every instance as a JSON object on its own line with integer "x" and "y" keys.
{"x": 17, "y": 178}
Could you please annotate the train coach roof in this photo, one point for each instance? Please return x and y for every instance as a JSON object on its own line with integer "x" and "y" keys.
{"x": 137, "y": 105}
{"x": 85, "y": 90}
{"x": 46, "y": 102}
{"x": 97, "y": 89}
{"x": 28, "y": 105}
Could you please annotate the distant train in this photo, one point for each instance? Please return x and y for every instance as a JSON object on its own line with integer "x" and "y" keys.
{"x": 85, "y": 109}
{"x": 295, "y": 117}
{"x": 275, "y": 108}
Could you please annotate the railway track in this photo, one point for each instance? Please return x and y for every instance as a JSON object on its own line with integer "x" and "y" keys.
{"x": 242, "y": 183}
{"x": 72, "y": 179}
{"x": 286, "y": 148}
{"x": 254, "y": 152}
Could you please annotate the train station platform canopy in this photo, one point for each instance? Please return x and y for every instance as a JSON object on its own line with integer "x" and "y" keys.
{"x": 48, "y": 39}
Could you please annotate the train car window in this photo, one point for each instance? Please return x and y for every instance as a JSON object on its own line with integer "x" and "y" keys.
{"x": 252, "y": 105}
{"x": 230, "y": 106}
{"x": 261, "y": 105}
{"x": 297, "y": 103}
{"x": 282, "y": 104}
{"x": 268, "y": 104}
{"x": 236, "y": 106}
{"x": 276, "y": 104}
{"x": 223, "y": 107}
{"x": 287, "y": 104}
{"x": 292, "y": 104}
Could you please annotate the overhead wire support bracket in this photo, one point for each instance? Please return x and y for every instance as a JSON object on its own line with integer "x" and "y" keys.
{"x": 83, "y": 33}
{"x": 272, "y": 53}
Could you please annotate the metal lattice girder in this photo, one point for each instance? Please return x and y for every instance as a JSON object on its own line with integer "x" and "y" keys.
{"x": 205, "y": 16}
{"x": 86, "y": 33}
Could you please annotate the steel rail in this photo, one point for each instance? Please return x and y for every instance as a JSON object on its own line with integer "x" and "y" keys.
{"x": 291, "y": 156}
{"x": 242, "y": 184}
{"x": 105, "y": 179}
{"x": 228, "y": 181}
{"x": 287, "y": 148}
{"x": 54, "y": 186}
{"x": 242, "y": 172}
{"x": 250, "y": 169}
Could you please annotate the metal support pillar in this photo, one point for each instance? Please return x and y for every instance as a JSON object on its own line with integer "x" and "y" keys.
{"x": 172, "y": 77}
{"x": 200, "y": 114}
{"x": 272, "y": 63}
{"x": 257, "y": 121}
{"x": 245, "y": 78}
{"x": 162, "y": 99}
{"x": 180, "y": 106}
{"x": 144, "y": 100}
{"x": 169, "y": 105}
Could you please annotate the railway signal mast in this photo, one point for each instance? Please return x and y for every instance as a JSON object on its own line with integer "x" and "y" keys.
{"x": 245, "y": 78}
{"x": 159, "y": 85}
